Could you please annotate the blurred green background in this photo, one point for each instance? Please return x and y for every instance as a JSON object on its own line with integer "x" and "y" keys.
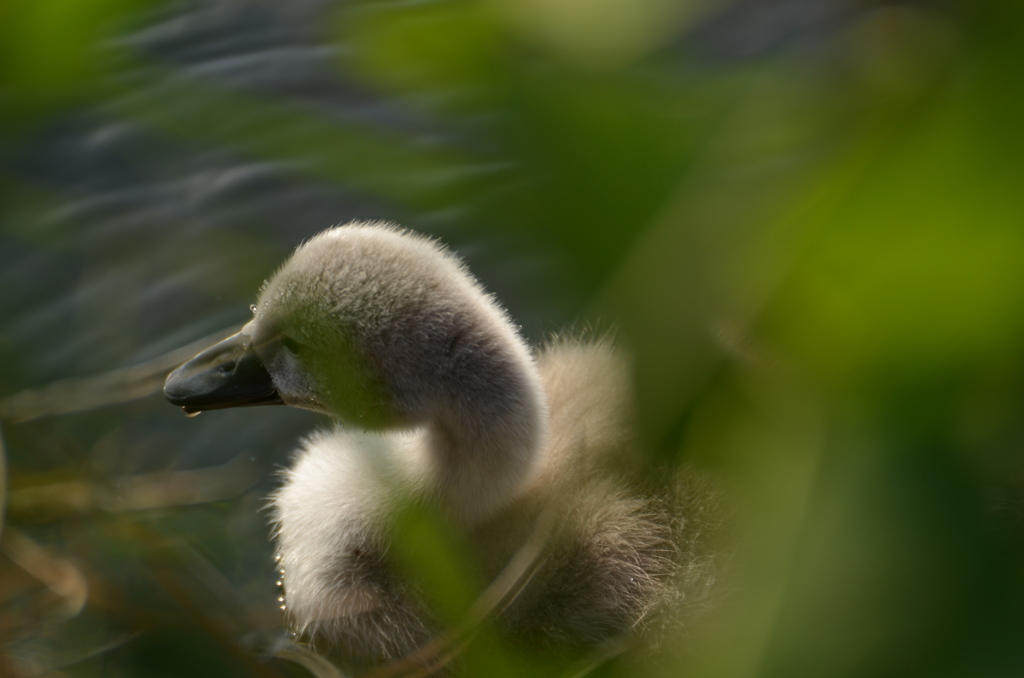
{"x": 805, "y": 220}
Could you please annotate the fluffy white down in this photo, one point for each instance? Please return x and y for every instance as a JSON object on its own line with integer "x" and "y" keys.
{"x": 492, "y": 434}
{"x": 336, "y": 497}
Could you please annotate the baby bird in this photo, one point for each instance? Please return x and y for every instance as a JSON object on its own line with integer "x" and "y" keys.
{"x": 440, "y": 404}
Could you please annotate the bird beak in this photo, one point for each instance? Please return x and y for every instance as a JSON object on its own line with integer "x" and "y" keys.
{"x": 228, "y": 374}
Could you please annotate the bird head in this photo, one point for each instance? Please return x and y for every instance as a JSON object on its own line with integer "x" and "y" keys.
{"x": 370, "y": 324}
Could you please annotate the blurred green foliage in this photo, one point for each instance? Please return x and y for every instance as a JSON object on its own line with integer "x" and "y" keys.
{"x": 815, "y": 255}
{"x": 52, "y": 53}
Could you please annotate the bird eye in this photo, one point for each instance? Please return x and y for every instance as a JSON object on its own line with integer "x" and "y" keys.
{"x": 291, "y": 345}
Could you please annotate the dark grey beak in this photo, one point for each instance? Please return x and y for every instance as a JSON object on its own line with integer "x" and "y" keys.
{"x": 228, "y": 374}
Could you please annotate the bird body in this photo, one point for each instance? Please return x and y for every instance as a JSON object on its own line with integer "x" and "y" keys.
{"x": 440, "y": 404}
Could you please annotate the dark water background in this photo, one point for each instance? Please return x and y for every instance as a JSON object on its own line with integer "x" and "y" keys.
{"x": 804, "y": 218}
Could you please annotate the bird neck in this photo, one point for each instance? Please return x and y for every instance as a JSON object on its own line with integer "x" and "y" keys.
{"x": 482, "y": 447}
